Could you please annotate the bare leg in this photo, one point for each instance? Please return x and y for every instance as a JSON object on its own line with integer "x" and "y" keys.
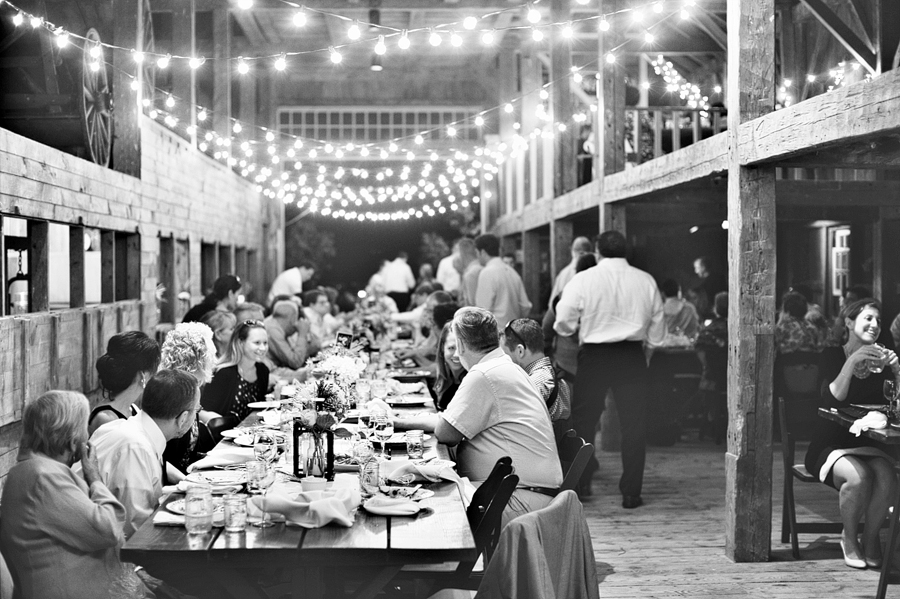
{"x": 854, "y": 482}
{"x": 884, "y": 489}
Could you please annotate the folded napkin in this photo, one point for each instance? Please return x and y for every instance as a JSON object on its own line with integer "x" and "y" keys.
{"x": 873, "y": 420}
{"x": 379, "y": 404}
{"x": 313, "y": 509}
{"x": 223, "y": 456}
{"x": 431, "y": 472}
{"x": 167, "y": 518}
{"x": 391, "y": 506}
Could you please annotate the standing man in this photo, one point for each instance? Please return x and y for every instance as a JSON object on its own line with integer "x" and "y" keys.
{"x": 500, "y": 290}
{"x": 398, "y": 280}
{"x": 580, "y": 247}
{"x": 447, "y": 275}
{"x": 469, "y": 268}
{"x": 615, "y": 308}
{"x": 290, "y": 282}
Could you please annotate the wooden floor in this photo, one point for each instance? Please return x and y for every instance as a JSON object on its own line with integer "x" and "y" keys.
{"x": 674, "y": 546}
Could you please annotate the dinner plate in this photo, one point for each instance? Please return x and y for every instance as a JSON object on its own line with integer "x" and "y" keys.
{"x": 176, "y": 506}
{"x": 407, "y": 400}
{"x": 388, "y": 510}
{"x": 218, "y": 477}
{"x": 248, "y": 440}
{"x": 260, "y": 405}
{"x": 233, "y": 433}
{"x": 406, "y": 374}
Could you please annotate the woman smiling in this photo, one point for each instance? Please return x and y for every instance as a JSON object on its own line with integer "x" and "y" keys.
{"x": 241, "y": 377}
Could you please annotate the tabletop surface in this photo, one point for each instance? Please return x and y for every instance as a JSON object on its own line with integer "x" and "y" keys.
{"x": 440, "y": 532}
{"x": 888, "y": 436}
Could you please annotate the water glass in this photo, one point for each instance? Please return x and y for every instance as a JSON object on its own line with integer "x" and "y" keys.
{"x": 265, "y": 447}
{"x": 379, "y": 389}
{"x": 235, "y": 512}
{"x": 414, "y": 447}
{"x": 256, "y": 474}
{"x": 362, "y": 451}
{"x": 363, "y": 387}
{"x": 198, "y": 509}
{"x": 877, "y": 365}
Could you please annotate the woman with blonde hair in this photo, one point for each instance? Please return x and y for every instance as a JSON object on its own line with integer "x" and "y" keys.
{"x": 222, "y": 325}
{"x": 59, "y": 532}
{"x": 241, "y": 377}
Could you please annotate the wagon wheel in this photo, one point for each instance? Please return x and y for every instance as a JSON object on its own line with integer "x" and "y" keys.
{"x": 95, "y": 103}
{"x": 148, "y": 67}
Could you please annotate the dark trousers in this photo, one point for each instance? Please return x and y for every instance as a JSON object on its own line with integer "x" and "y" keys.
{"x": 401, "y": 299}
{"x": 622, "y": 368}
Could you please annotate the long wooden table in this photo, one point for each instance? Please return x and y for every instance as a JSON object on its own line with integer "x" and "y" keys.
{"x": 315, "y": 558}
{"x": 891, "y": 437}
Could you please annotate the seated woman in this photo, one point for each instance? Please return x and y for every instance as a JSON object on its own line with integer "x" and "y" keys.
{"x": 794, "y": 333}
{"x": 862, "y": 473}
{"x": 450, "y": 371}
{"x": 190, "y": 348}
{"x": 241, "y": 377}
{"x": 222, "y": 325}
{"x": 60, "y": 534}
{"x": 131, "y": 358}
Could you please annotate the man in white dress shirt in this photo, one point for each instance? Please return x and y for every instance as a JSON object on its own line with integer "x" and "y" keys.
{"x": 398, "y": 280}
{"x": 447, "y": 275}
{"x": 290, "y": 282}
{"x": 500, "y": 290}
{"x": 129, "y": 452}
{"x": 615, "y": 308}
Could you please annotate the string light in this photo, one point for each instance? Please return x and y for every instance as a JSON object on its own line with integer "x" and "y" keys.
{"x": 242, "y": 67}
{"x": 300, "y": 18}
{"x": 196, "y": 63}
{"x": 488, "y": 38}
{"x": 434, "y": 38}
{"x": 455, "y": 39}
{"x": 611, "y": 58}
{"x": 533, "y": 15}
{"x": 603, "y": 25}
{"x": 245, "y": 4}
{"x": 18, "y": 19}
{"x": 163, "y": 61}
{"x": 567, "y": 31}
{"x": 380, "y": 48}
{"x": 170, "y": 101}
{"x": 137, "y": 56}
{"x": 536, "y": 34}
{"x": 403, "y": 42}
{"x": 470, "y": 23}
{"x": 281, "y": 62}
{"x": 62, "y": 39}
{"x": 334, "y": 56}
{"x": 353, "y": 32}
{"x": 201, "y": 116}
{"x": 36, "y": 22}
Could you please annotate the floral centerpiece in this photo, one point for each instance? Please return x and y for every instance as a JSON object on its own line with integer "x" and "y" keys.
{"x": 315, "y": 427}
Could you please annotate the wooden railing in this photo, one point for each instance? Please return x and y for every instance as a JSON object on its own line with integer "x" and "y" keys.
{"x": 665, "y": 129}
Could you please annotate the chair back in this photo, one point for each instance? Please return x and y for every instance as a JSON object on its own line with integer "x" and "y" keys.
{"x": 487, "y": 533}
{"x": 485, "y": 493}
{"x": 574, "y": 454}
{"x": 210, "y": 432}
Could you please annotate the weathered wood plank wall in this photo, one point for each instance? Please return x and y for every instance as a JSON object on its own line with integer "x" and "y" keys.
{"x": 182, "y": 194}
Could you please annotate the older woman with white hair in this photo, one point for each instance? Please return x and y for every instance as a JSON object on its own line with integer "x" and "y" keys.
{"x": 190, "y": 348}
{"x": 60, "y": 533}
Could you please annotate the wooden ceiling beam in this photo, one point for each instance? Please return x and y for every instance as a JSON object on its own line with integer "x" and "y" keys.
{"x": 712, "y": 29}
{"x": 842, "y": 33}
{"x": 879, "y": 153}
{"x": 252, "y": 31}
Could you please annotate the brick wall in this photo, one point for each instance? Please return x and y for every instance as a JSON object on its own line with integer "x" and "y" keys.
{"x": 181, "y": 193}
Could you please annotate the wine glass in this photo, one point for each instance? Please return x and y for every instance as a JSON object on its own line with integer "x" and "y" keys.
{"x": 265, "y": 482}
{"x": 379, "y": 389}
{"x": 265, "y": 447}
{"x": 384, "y": 430}
{"x": 889, "y": 390}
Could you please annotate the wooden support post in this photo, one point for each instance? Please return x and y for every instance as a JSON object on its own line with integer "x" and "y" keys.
{"x": 184, "y": 84}
{"x": 887, "y": 36}
{"x": 611, "y": 96}
{"x": 886, "y": 262}
{"x": 751, "y": 313}
{"x": 126, "y": 145}
{"x": 507, "y": 85}
{"x": 76, "y": 266}
{"x": 531, "y": 85}
{"x": 562, "y": 233}
{"x": 107, "y": 267}
{"x": 128, "y": 266}
{"x": 247, "y": 104}
{"x": 565, "y": 165}
{"x": 614, "y": 217}
{"x": 222, "y": 69}
{"x": 39, "y": 265}
{"x": 531, "y": 266}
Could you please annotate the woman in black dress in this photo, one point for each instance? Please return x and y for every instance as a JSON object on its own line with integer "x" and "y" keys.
{"x": 241, "y": 377}
{"x": 860, "y": 471}
{"x": 130, "y": 360}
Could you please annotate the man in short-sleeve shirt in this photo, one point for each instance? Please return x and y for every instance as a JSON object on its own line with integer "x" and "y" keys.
{"x": 496, "y": 412}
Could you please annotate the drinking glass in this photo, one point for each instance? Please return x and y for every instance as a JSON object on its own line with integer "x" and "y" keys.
{"x": 264, "y": 482}
{"x": 265, "y": 447}
{"x": 198, "y": 509}
{"x": 235, "y": 512}
{"x": 877, "y": 365}
{"x": 384, "y": 430}
{"x": 414, "y": 447}
{"x": 363, "y": 387}
{"x": 362, "y": 451}
{"x": 379, "y": 389}
{"x": 889, "y": 390}
{"x": 365, "y": 421}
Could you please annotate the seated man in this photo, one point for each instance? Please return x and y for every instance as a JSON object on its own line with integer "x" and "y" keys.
{"x": 129, "y": 452}
{"x": 249, "y": 311}
{"x": 322, "y": 324}
{"x": 496, "y": 412}
{"x": 288, "y": 340}
{"x": 523, "y": 342}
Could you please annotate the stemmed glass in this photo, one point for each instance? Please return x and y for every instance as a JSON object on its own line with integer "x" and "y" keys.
{"x": 264, "y": 482}
{"x": 384, "y": 429}
{"x": 265, "y": 447}
{"x": 889, "y": 390}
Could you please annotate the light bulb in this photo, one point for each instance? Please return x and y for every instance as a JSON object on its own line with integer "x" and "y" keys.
{"x": 242, "y": 67}
{"x": 138, "y": 57}
{"x": 419, "y": 140}
{"x": 544, "y": 94}
{"x": 403, "y": 42}
{"x": 163, "y": 61}
{"x": 237, "y": 127}
{"x": 537, "y": 35}
{"x": 455, "y": 39}
{"x": 534, "y": 15}
{"x": 380, "y": 48}
{"x": 170, "y": 102}
{"x": 508, "y": 108}
{"x": 36, "y": 22}
{"x": 392, "y": 147}
{"x": 451, "y": 131}
{"x": 611, "y": 58}
{"x": 134, "y": 85}
{"x": 658, "y": 7}
{"x": 153, "y": 114}
{"x": 353, "y": 32}
{"x": 18, "y": 19}
{"x": 435, "y": 38}
{"x": 488, "y": 38}
{"x": 604, "y": 25}
{"x": 811, "y": 78}
{"x": 470, "y": 22}
{"x": 195, "y": 62}
{"x": 299, "y": 18}
{"x": 685, "y": 14}
{"x": 717, "y": 89}
{"x": 567, "y": 31}
{"x": 335, "y": 56}
{"x": 577, "y": 78}
{"x": 479, "y": 121}
{"x": 201, "y": 116}
{"x": 96, "y": 51}
{"x": 281, "y": 63}
{"x": 95, "y": 66}
{"x": 62, "y": 39}
{"x": 245, "y": 4}
{"x": 648, "y": 38}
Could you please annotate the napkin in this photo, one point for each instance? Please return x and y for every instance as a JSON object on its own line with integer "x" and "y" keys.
{"x": 167, "y": 518}
{"x": 424, "y": 472}
{"x": 223, "y": 457}
{"x": 391, "y": 506}
{"x": 874, "y": 420}
{"x": 313, "y": 509}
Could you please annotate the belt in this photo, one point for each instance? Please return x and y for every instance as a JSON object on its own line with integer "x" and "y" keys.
{"x": 542, "y": 490}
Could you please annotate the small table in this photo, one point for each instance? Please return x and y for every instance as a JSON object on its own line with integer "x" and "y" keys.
{"x": 383, "y": 544}
{"x": 887, "y": 436}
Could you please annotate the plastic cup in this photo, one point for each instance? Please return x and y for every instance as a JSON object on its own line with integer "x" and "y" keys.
{"x": 198, "y": 510}
{"x": 235, "y": 512}
{"x": 414, "y": 444}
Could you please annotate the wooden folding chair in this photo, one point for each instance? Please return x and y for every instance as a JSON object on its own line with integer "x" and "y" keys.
{"x": 574, "y": 454}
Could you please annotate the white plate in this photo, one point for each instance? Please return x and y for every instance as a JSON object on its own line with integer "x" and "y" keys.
{"x": 176, "y": 506}
{"x": 218, "y": 477}
{"x": 260, "y": 405}
{"x": 233, "y": 433}
{"x": 419, "y": 495}
{"x": 386, "y": 510}
{"x": 408, "y": 400}
{"x": 243, "y": 441}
